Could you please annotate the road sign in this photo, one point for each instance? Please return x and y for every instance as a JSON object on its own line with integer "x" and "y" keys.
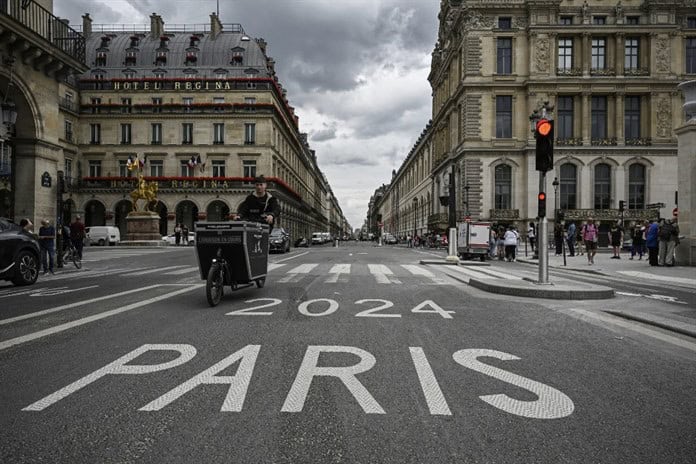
{"x": 467, "y": 219}
{"x": 654, "y": 205}
{"x": 675, "y": 212}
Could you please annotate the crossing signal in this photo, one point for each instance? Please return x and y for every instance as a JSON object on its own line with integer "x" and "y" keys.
{"x": 622, "y": 204}
{"x": 542, "y": 204}
{"x": 544, "y": 144}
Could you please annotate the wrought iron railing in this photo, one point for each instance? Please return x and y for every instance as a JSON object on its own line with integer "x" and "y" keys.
{"x": 51, "y": 28}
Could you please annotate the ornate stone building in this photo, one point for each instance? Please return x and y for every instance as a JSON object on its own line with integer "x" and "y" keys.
{"x": 610, "y": 70}
{"x": 201, "y": 110}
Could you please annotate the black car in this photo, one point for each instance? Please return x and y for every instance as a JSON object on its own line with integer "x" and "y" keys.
{"x": 19, "y": 254}
{"x": 279, "y": 240}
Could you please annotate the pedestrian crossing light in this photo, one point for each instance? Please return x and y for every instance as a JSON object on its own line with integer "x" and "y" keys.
{"x": 544, "y": 144}
{"x": 542, "y": 204}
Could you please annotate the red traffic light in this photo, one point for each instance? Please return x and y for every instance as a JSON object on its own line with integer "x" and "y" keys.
{"x": 542, "y": 196}
{"x": 543, "y": 127}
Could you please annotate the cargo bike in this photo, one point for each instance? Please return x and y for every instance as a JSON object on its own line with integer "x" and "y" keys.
{"x": 233, "y": 254}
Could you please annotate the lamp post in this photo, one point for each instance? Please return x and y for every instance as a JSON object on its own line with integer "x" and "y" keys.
{"x": 466, "y": 198}
{"x": 415, "y": 213}
{"x": 555, "y": 184}
{"x": 452, "y": 221}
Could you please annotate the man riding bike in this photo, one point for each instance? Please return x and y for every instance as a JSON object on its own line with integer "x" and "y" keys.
{"x": 259, "y": 206}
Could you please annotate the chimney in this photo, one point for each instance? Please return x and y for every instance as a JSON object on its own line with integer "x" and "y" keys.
{"x": 86, "y": 25}
{"x": 156, "y": 26}
{"x": 262, "y": 45}
{"x": 215, "y": 25}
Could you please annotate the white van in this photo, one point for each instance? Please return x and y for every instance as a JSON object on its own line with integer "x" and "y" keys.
{"x": 103, "y": 235}
{"x": 317, "y": 238}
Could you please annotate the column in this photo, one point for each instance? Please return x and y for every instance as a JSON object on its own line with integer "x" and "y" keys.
{"x": 619, "y": 124}
{"x": 586, "y": 122}
{"x": 619, "y": 57}
{"x": 586, "y": 53}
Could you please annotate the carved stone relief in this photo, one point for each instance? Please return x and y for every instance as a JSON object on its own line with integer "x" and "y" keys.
{"x": 663, "y": 54}
{"x": 542, "y": 54}
{"x": 664, "y": 118}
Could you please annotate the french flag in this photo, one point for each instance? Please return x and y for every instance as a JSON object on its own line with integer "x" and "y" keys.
{"x": 192, "y": 162}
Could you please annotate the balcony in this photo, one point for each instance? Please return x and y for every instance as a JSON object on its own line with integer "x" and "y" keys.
{"x": 604, "y": 142}
{"x": 602, "y": 72}
{"x": 637, "y": 72}
{"x": 638, "y": 142}
{"x": 569, "y": 72}
{"x": 504, "y": 214}
{"x": 569, "y": 142}
{"x": 68, "y": 105}
{"x": 42, "y": 25}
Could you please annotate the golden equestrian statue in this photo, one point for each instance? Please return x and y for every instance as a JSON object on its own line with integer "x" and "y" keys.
{"x": 146, "y": 191}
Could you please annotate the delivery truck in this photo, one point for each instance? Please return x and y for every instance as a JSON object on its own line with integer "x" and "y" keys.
{"x": 473, "y": 240}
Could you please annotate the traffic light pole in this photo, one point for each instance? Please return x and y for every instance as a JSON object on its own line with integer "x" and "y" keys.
{"x": 543, "y": 238}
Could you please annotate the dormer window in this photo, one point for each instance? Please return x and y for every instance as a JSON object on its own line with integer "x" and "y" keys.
{"x": 129, "y": 74}
{"x": 159, "y": 73}
{"x": 163, "y": 41}
{"x": 191, "y": 58}
{"x": 105, "y": 41}
{"x": 237, "y": 56}
{"x": 130, "y": 57}
{"x": 100, "y": 59}
{"x": 194, "y": 40}
{"x": 134, "y": 41}
{"x": 161, "y": 58}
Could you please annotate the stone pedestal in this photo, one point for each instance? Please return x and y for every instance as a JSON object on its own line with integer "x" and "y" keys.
{"x": 142, "y": 226}
{"x": 686, "y": 155}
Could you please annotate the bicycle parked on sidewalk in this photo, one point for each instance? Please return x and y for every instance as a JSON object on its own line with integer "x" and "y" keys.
{"x": 70, "y": 253}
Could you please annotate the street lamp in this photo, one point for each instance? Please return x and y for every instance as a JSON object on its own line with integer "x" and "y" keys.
{"x": 415, "y": 213}
{"x": 466, "y": 196}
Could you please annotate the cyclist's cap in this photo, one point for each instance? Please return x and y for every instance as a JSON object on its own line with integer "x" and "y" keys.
{"x": 260, "y": 180}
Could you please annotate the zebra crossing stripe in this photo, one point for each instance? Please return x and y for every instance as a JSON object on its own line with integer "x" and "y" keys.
{"x": 336, "y": 272}
{"x": 272, "y": 266}
{"x": 419, "y": 271}
{"x": 501, "y": 275}
{"x": 471, "y": 273}
{"x": 382, "y": 274}
{"x": 295, "y": 272}
{"x": 157, "y": 269}
{"x": 182, "y": 271}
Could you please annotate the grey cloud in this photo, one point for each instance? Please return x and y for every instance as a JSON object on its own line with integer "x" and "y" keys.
{"x": 327, "y": 133}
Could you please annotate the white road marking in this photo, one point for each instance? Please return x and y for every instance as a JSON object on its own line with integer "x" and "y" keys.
{"x": 182, "y": 271}
{"x": 272, "y": 266}
{"x": 152, "y": 271}
{"x": 292, "y": 257}
{"x": 336, "y": 272}
{"x": 502, "y": 275}
{"x": 420, "y": 271}
{"x": 382, "y": 274}
{"x": 470, "y": 273}
{"x": 294, "y": 273}
{"x": 86, "y": 320}
{"x": 431, "y": 389}
{"x": 59, "y": 291}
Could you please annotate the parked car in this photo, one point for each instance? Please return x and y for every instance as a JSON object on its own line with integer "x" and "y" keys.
{"x": 103, "y": 235}
{"x": 19, "y": 254}
{"x": 171, "y": 239}
{"x": 302, "y": 242}
{"x": 279, "y": 240}
{"x": 389, "y": 239}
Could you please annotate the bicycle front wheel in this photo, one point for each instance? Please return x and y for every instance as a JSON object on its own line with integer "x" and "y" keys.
{"x": 214, "y": 285}
{"x": 77, "y": 261}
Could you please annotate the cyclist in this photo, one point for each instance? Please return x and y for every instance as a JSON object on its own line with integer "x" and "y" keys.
{"x": 259, "y": 206}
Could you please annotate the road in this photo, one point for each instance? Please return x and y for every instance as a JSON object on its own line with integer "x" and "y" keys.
{"x": 350, "y": 354}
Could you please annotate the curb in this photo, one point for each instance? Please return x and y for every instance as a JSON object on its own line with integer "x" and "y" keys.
{"x": 547, "y": 292}
{"x": 565, "y": 268}
{"x": 460, "y": 263}
{"x": 653, "y": 322}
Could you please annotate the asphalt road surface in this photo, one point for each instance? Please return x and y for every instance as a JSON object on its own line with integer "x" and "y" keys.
{"x": 353, "y": 354}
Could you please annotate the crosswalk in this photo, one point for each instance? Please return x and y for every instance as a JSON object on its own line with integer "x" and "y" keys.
{"x": 96, "y": 255}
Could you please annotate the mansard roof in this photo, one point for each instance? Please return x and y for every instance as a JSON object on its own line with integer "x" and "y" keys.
{"x": 212, "y": 54}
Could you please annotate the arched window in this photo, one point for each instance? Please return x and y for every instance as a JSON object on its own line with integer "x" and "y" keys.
{"x": 636, "y": 186}
{"x": 503, "y": 187}
{"x": 602, "y": 186}
{"x": 569, "y": 186}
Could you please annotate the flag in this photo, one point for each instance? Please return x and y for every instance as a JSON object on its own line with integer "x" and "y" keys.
{"x": 192, "y": 162}
{"x": 200, "y": 163}
{"x": 142, "y": 162}
{"x": 131, "y": 163}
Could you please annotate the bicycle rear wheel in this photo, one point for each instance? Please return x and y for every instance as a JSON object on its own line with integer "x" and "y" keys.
{"x": 77, "y": 261}
{"x": 215, "y": 285}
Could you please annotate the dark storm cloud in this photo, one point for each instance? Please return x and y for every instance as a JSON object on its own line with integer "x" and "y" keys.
{"x": 327, "y": 132}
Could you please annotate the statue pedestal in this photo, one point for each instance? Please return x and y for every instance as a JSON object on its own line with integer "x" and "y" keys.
{"x": 143, "y": 226}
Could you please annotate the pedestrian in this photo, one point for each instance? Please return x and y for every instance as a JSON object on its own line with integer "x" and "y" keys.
{"x": 47, "y": 235}
{"x": 492, "y": 243}
{"x": 510, "y": 240}
{"x": 570, "y": 238}
{"x": 27, "y": 225}
{"x": 590, "y": 235}
{"x": 185, "y": 234}
{"x": 531, "y": 235}
{"x": 77, "y": 235}
{"x": 672, "y": 244}
{"x": 177, "y": 234}
{"x": 616, "y": 235}
{"x": 651, "y": 242}
{"x": 638, "y": 237}
{"x": 558, "y": 238}
{"x": 664, "y": 235}
{"x": 501, "y": 243}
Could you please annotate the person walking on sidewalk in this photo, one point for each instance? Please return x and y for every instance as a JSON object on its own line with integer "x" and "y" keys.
{"x": 616, "y": 235}
{"x": 510, "y": 240}
{"x": 651, "y": 242}
{"x": 672, "y": 244}
{"x": 531, "y": 235}
{"x": 558, "y": 238}
{"x": 590, "y": 235}
{"x": 638, "y": 237}
{"x": 570, "y": 238}
{"x": 47, "y": 235}
{"x": 664, "y": 235}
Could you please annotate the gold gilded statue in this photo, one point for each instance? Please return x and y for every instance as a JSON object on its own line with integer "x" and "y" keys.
{"x": 146, "y": 191}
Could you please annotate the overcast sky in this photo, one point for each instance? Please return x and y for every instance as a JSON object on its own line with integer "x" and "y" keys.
{"x": 355, "y": 70}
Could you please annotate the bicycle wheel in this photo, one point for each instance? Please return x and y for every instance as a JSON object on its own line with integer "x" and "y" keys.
{"x": 77, "y": 261}
{"x": 215, "y": 285}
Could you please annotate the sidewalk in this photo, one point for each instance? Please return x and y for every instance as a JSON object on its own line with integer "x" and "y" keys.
{"x": 684, "y": 276}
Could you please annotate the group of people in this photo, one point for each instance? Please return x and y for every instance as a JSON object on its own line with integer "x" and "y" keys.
{"x": 73, "y": 233}
{"x": 503, "y": 243}
{"x": 181, "y": 234}
{"x": 658, "y": 237}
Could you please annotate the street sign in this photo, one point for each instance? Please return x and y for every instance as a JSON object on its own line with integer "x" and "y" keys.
{"x": 654, "y": 205}
{"x": 467, "y": 219}
{"x": 675, "y": 212}
{"x": 45, "y": 179}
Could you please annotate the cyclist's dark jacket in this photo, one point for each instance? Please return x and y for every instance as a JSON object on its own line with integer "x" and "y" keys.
{"x": 253, "y": 207}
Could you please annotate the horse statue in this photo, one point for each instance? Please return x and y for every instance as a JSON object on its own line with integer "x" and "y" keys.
{"x": 145, "y": 191}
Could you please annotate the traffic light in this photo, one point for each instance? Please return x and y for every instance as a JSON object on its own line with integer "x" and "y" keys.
{"x": 622, "y": 203}
{"x": 544, "y": 144}
{"x": 542, "y": 205}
